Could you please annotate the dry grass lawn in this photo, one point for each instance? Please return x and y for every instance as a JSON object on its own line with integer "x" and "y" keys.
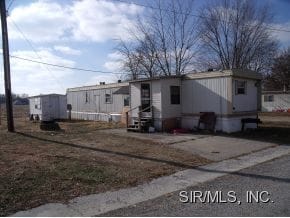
{"x": 39, "y": 167}
{"x": 275, "y": 128}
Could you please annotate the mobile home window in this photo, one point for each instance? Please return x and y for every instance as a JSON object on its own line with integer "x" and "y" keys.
{"x": 240, "y": 87}
{"x": 175, "y": 94}
{"x": 108, "y": 99}
{"x": 145, "y": 90}
{"x": 87, "y": 97}
{"x": 126, "y": 101}
{"x": 268, "y": 98}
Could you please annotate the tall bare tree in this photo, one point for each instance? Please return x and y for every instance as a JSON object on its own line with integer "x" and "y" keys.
{"x": 164, "y": 42}
{"x": 234, "y": 34}
{"x": 279, "y": 78}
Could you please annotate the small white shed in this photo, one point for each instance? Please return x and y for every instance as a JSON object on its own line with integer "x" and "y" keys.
{"x": 48, "y": 107}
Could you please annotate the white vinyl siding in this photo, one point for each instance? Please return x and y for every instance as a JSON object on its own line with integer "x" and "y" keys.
{"x": 169, "y": 110}
{"x": 205, "y": 95}
{"x": 135, "y": 97}
{"x": 248, "y": 101}
{"x": 97, "y": 101}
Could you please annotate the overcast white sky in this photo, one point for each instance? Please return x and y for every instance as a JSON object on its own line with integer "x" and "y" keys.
{"x": 77, "y": 34}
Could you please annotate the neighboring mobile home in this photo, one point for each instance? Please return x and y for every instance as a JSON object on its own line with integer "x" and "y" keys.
{"x": 104, "y": 102}
{"x": 48, "y": 107}
{"x": 176, "y": 101}
{"x": 276, "y": 101}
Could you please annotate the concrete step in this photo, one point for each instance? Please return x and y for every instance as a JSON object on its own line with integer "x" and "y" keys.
{"x": 132, "y": 129}
{"x": 142, "y": 118}
{"x": 142, "y": 122}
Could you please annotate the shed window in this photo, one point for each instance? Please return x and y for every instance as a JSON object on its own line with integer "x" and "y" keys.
{"x": 268, "y": 98}
{"x": 108, "y": 99}
{"x": 126, "y": 101}
{"x": 240, "y": 87}
{"x": 37, "y": 104}
{"x": 175, "y": 94}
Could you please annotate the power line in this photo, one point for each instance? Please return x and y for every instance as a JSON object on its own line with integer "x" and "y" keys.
{"x": 9, "y": 5}
{"x": 194, "y": 15}
{"x": 62, "y": 66}
{"x": 35, "y": 51}
{"x": 50, "y": 64}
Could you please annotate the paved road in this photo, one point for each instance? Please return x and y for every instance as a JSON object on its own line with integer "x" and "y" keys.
{"x": 273, "y": 177}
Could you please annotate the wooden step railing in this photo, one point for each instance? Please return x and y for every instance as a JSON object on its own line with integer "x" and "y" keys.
{"x": 139, "y": 115}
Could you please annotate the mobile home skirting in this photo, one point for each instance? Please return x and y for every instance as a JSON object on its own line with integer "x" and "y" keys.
{"x": 114, "y": 117}
{"x": 226, "y": 124}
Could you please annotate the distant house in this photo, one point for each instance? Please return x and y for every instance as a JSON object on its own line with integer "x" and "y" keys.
{"x": 104, "y": 102}
{"x": 176, "y": 101}
{"x": 48, "y": 107}
{"x": 276, "y": 101}
{"x": 21, "y": 101}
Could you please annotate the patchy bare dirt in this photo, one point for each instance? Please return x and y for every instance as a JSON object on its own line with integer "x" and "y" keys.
{"x": 275, "y": 119}
{"x": 39, "y": 167}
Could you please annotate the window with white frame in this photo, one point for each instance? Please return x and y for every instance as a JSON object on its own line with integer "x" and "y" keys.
{"x": 240, "y": 87}
{"x": 108, "y": 99}
{"x": 268, "y": 98}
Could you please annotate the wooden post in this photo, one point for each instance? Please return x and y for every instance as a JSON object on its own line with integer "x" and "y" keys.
{"x": 139, "y": 118}
{"x": 6, "y": 62}
{"x": 127, "y": 119}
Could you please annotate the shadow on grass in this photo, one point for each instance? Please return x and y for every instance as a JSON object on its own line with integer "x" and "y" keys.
{"x": 277, "y": 135}
{"x": 172, "y": 163}
{"x": 280, "y": 135}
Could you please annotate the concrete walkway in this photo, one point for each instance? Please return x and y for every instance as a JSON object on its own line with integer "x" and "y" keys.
{"x": 215, "y": 148}
{"x": 160, "y": 138}
{"x": 97, "y": 204}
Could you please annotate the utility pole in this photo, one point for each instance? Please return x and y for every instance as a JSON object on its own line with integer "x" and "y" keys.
{"x": 6, "y": 62}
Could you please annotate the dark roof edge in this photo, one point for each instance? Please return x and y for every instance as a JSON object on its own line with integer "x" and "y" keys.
{"x": 44, "y": 95}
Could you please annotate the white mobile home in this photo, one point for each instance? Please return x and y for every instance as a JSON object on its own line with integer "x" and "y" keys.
{"x": 48, "y": 107}
{"x": 104, "y": 102}
{"x": 176, "y": 102}
{"x": 276, "y": 101}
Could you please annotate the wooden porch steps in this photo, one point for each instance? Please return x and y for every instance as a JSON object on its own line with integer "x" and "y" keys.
{"x": 142, "y": 122}
{"x": 145, "y": 122}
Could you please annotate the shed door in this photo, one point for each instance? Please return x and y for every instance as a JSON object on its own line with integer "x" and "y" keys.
{"x": 145, "y": 97}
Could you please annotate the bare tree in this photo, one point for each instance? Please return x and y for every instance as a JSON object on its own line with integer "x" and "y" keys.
{"x": 234, "y": 34}
{"x": 164, "y": 43}
{"x": 279, "y": 78}
{"x": 130, "y": 60}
